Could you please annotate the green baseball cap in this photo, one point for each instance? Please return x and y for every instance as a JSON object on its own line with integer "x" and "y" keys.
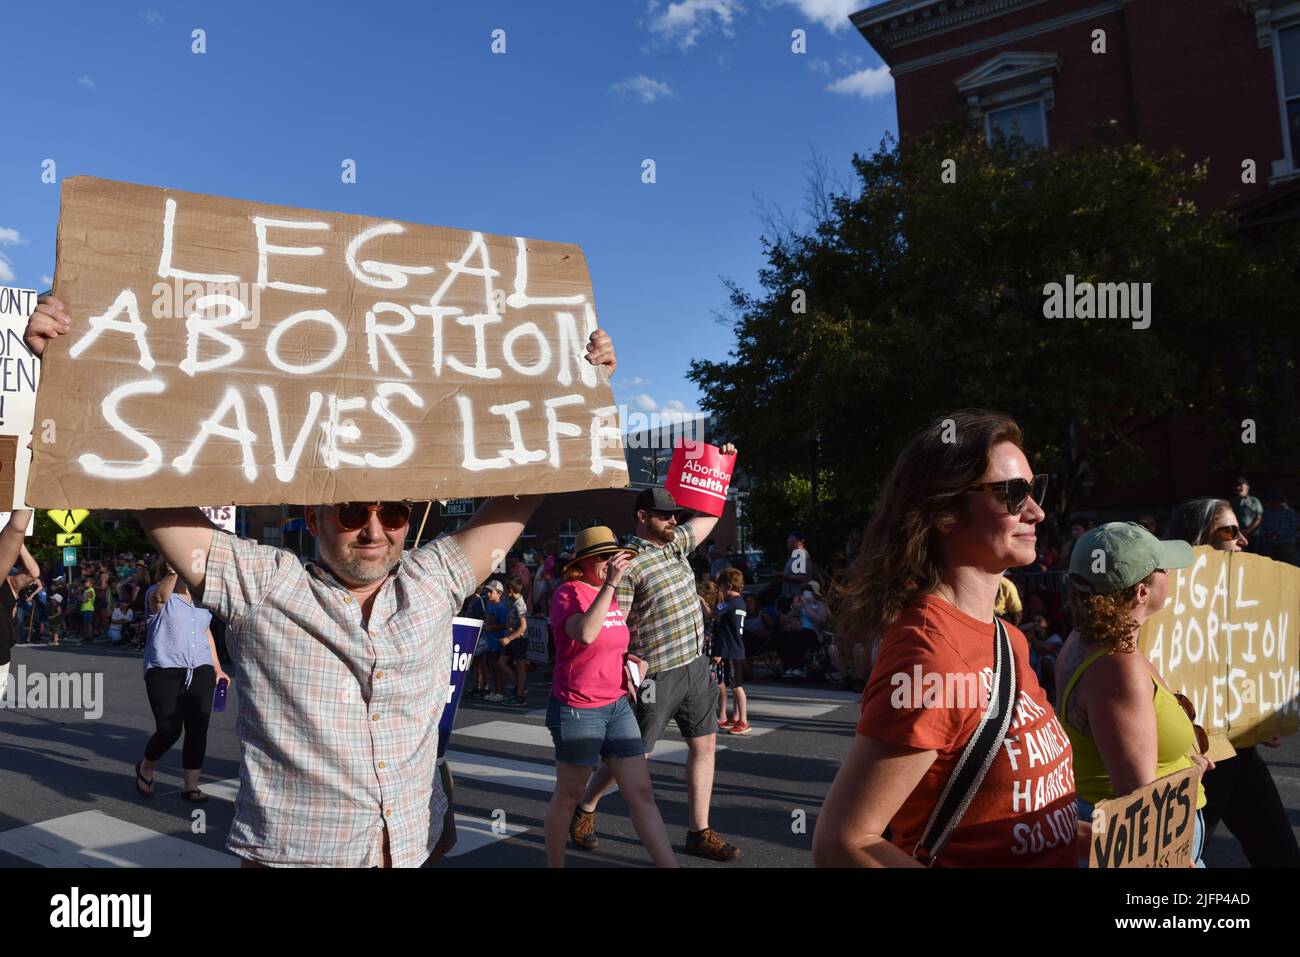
{"x": 1128, "y": 554}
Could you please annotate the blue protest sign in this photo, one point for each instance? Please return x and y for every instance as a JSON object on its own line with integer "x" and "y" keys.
{"x": 464, "y": 636}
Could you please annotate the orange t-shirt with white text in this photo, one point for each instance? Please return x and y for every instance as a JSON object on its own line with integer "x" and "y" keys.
{"x": 919, "y": 696}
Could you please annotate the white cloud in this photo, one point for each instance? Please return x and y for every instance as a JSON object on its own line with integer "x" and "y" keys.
{"x": 86, "y": 80}
{"x": 6, "y": 269}
{"x": 635, "y": 380}
{"x": 645, "y": 403}
{"x": 152, "y": 17}
{"x": 10, "y": 237}
{"x": 673, "y": 405}
{"x": 832, "y": 14}
{"x": 868, "y": 84}
{"x": 642, "y": 86}
{"x": 47, "y": 281}
{"x": 685, "y": 20}
{"x": 818, "y": 65}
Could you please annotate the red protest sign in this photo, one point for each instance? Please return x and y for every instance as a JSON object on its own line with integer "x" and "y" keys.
{"x": 699, "y": 477}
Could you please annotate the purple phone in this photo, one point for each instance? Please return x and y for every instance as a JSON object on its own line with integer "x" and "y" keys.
{"x": 219, "y": 700}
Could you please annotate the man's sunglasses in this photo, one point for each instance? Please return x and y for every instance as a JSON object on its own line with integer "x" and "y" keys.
{"x": 356, "y": 515}
{"x": 1016, "y": 491}
{"x": 1189, "y": 709}
{"x": 661, "y": 515}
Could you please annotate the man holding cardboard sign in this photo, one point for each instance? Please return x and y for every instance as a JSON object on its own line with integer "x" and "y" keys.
{"x": 341, "y": 670}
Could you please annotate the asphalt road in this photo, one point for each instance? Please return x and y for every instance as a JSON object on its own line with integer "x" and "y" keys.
{"x": 68, "y": 798}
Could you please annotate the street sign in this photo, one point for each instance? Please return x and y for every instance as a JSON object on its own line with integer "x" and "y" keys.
{"x": 69, "y": 557}
{"x": 70, "y": 539}
{"x": 68, "y": 518}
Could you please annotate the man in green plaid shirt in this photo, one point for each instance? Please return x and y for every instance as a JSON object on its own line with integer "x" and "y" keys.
{"x": 658, "y": 598}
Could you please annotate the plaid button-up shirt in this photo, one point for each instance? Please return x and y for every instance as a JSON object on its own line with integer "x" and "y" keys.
{"x": 657, "y": 593}
{"x": 338, "y": 723}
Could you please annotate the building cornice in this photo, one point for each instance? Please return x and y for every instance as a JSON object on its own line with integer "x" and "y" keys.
{"x": 891, "y": 25}
{"x": 1269, "y": 15}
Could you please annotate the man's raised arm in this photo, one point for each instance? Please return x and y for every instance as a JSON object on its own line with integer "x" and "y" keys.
{"x": 486, "y": 538}
{"x": 183, "y": 536}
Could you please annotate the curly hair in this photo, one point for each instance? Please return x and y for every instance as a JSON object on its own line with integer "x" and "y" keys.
{"x": 897, "y": 560}
{"x": 733, "y": 579}
{"x": 1105, "y": 619}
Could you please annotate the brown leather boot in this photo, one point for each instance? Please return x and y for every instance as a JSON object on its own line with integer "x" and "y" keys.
{"x": 707, "y": 843}
{"x": 582, "y": 830}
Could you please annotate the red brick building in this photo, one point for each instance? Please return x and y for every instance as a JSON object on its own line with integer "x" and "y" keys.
{"x": 1217, "y": 79}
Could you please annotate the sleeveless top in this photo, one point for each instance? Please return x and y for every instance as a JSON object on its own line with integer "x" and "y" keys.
{"x": 1175, "y": 738}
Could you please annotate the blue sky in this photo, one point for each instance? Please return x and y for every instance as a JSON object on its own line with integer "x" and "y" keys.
{"x": 545, "y": 140}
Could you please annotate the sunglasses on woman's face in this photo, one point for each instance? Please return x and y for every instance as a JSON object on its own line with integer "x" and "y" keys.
{"x": 1228, "y": 532}
{"x": 356, "y": 515}
{"x": 1189, "y": 709}
{"x": 1016, "y": 491}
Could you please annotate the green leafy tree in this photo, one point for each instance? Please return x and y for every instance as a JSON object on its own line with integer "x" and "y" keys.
{"x": 922, "y": 295}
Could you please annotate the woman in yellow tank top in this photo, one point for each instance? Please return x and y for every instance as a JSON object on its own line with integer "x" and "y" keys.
{"x": 1127, "y": 728}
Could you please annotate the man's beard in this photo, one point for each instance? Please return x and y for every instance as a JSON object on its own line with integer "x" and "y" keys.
{"x": 352, "y": 568}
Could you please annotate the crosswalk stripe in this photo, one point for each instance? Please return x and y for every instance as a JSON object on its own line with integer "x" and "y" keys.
{"x": 771, "y": 708}
{"x": 96, "y": 839}
{"x": 670, "y": 751}
{"x": 221, "y": 790}
{"x": 507, "y": 731}
{"x": 492, "y": 769}
{"x": 826, "y": 695}
{"x": 473, "y": 833}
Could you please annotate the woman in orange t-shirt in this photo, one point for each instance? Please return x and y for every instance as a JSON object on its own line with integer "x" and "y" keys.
{"x": 957, "y": 510}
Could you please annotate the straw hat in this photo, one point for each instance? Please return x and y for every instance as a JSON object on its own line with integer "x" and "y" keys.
{"x": 599, "y": 540}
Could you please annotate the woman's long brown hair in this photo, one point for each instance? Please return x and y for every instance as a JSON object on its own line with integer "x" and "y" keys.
{"x": 897, "y": 560}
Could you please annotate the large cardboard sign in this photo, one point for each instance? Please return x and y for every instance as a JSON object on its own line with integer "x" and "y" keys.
{"x": 226, "y": 351}
{"x": 20, "y": 374}
{"x": 1150, "y": 827}
{"x": 1228, "y": 639}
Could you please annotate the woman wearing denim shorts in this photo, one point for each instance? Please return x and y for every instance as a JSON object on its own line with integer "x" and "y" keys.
{"x": 590, "y": 715}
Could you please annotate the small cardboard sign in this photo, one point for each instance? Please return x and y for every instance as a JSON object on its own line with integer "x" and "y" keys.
{"x": 225, "y": 351}
{"x": 8, "y": 458}
{"x": 699, "y": 476}
{"x": 20, "y": 373}
{"x": 1150, "y": 827}
{"x": 539, "y": 635}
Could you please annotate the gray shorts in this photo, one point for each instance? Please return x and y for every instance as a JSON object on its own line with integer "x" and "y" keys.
{"x": 686, "y": 694}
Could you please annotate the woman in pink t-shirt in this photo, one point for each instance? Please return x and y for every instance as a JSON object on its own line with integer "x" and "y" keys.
{"x": 590, "y": 714}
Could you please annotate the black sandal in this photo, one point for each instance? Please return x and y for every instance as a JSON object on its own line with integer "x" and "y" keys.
{"x": 194, "y": 796}
{"x": 140, "y": 778}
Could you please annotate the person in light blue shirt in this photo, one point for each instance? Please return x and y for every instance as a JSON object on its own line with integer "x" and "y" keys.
{"x": 181, "y": 672}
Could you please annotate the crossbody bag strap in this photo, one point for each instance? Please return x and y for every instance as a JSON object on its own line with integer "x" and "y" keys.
{"x": 977, "y": 757}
